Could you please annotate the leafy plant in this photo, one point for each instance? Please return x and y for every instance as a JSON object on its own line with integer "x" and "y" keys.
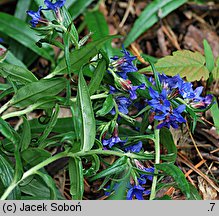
{"x": 119, "y": 118}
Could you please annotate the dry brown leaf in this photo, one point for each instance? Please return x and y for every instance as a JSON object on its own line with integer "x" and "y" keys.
{"x": 208, "y": 192}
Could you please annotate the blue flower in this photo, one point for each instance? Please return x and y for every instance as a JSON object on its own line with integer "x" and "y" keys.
{"x": 134, "y": 148}
{"x": 127, "y": 86}
{"x": 171, "y": 118}
{"x": 1, "y": 40}
{"x": 36, "y": 17}
{"x": 159, "y": 102}
{"x": 124, "y": 64}
{"x": 54, "y": 6}
{"x": 149, "y": 177}
{"x": 112, "y": 141}
{"x": 123, "y": 103}
{"x": 136, "y": 191}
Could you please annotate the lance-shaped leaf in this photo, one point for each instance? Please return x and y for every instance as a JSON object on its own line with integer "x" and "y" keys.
{"x": 35, "y": 91}
{"x": 88, "y": 129}
{"x": 80, "y": 57}
{"x": 151, "y": 14}
{"x": 76, "y": 178}
{"x": 17, "y": 73}
{"x": 177, "y": 175}
{"x": 21, "y": 32}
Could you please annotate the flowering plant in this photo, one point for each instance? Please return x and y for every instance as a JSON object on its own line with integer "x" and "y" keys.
{"x": 117, "y": 133}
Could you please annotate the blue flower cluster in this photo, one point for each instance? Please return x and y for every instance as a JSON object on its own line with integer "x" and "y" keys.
{"x": 36, "y": 15}
{"x": 109, "y": 143}
{"x": 124, "y": 65}
{"x": 173, "y": 87}
{"x": 120, "y": 67}
{"x": 138, "y": 190}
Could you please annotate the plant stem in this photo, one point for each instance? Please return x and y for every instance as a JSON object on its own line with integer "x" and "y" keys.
{"x": 157, "y": 160}
{"x": 39, "y": 166}
{"x": 4, "y": 107}
{"x": 32, "y": 171}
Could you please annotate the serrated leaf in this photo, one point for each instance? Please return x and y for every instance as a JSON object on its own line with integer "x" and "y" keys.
{"x": 88, "y": 130}
{"x": 17, "y": 73}
{"x": 185, "y": 63}
{"x": 150, "y": 16}
{"x": 76, "y": 178}
{"x": 177, "y": 175}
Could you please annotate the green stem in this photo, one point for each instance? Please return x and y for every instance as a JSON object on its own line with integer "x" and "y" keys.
{"x": 4, "y": 107}
{"x": 32, "y": 171}
{"x": 39, "y": 166}
{"x": 157, "y": 160}
{"x": 25, "y": 111}
{"x": 93, "y": 97}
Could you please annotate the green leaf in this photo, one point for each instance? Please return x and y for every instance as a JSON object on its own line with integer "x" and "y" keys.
{"x": 107, "y": 106}
{"x": 88, "y": 132}
{"x": 215, "y": 113}
{"x": 21, "y": 32}
{"x": 215, "y": 71}
{"x": 97, "y": 77}
{"x": 8, "y": 132}
{"x": 16, "y": 48}
{"x": 177, "y": 175}
{"x": 49, "y": 183}
{"x": 34, "y": 156}
{"x": 194, "y": 193}
{"x": 150, "y": 16}
{"x": 185, "y": 63}
{"x": 17, "y": 73}
{"x": 76, "y": 178}
{"x": 11, "y": 59}
{"x": 63, "y": 125}
{"x": 6, "y": 178}
{"x": 78, "y": 7}
{"x": 35, "y": 91}
{"x": 97, "y": 24}
{"x": 95, "y": 166}
{"x": 69, "y": 23}
{"x": 209, "y": 57}
{"x": 80, "y": 57}
{"x": 48, "y": 129}
{"x": 116, "y": 167}
{"x": 37, "y": 190}
{"x": 26, "y": 135}
{"x": 166, "y": 140}
{"x": 121, "y": 189}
